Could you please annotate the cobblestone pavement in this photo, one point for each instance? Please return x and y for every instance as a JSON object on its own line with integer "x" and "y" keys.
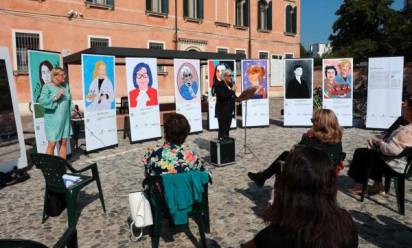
{"x": 235, "y": 203}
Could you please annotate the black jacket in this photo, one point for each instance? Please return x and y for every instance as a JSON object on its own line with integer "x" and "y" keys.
{"x": 294, "y": 89}
{"x": 225, "y": 101}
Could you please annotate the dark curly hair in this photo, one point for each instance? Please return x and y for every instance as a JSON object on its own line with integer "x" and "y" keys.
{"x": 176, "y": 129}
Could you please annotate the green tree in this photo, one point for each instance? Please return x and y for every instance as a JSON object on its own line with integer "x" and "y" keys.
{"x": 367, "y": 28}
{"x": 303, "y": 52}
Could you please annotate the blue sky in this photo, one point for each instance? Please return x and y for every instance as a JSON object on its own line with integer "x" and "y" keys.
{"x": 318, "y": 17}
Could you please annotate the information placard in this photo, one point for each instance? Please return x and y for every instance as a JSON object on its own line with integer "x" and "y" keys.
{"x": 385, "y": 83}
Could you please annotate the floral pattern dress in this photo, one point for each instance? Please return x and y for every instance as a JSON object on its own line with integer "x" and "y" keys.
{"x": 170, "y": 158}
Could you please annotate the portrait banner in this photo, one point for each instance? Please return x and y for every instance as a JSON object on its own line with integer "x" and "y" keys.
{"x": 142, "y": 85}
{"x": 187, "y": 92}
{"x": 385, "y": 84}
{"x": 216, "y": 67}
{"x": 99, "y": 101}
{"x": 40, "y": 65}
{"x": 338, "y": 88}
{"x": 255, "y": 111}
{"x": 298, "y": 102}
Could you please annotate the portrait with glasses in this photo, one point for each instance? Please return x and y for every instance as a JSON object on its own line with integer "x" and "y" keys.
{"x": 143, "y": 94}
{"x": 188, "y": 82}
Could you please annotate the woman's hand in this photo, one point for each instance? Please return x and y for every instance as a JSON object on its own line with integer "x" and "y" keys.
{"x": 58, "y": 95}
{"x": 374, "y": 143}
{"x": 234, "y": 87}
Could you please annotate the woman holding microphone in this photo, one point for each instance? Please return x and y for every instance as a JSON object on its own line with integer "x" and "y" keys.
{"x": 225, "y": 103}
{"x": 56, "y": 100}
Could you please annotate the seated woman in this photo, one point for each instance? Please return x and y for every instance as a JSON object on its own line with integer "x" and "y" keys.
{"x": 172, "y": 156}
{"x": 305, "y": 212}
{"x": 387, "y": 149}
{"x": 325, "y": 134}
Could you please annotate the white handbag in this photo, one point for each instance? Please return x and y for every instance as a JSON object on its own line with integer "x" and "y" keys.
{"x": 141, "y": 213}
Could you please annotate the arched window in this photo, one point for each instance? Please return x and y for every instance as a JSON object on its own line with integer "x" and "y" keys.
{"x": 242, "y": 13}
{"x": 265, "y": 15}
{"x": 290, "y": 19}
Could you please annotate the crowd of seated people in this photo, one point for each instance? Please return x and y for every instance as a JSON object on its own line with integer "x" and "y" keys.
{"x": 304, "y": 212}
{"x": 325, "y": 134}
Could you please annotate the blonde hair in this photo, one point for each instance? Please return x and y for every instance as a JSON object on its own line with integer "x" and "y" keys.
{"x": 54, "y": 72}
{"x": 96, "y": 68}
{"x": 344, "y": 62}
{"x": 325, "y": 126}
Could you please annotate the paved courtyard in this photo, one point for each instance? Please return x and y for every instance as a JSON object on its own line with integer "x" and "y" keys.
{"x": 236, "y": 205}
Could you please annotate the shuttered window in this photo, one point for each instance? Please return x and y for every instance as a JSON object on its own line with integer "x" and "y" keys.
{"x": 193, "y": 9}
{"x": 242, "y": 13}
{"x": 158, "y": 6}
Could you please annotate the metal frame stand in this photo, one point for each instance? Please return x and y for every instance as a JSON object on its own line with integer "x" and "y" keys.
{"x": 246, "y": 149}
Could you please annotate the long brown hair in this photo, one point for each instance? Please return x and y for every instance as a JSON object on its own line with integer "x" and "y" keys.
{"x": 305, "y": 204}
{"x": 325, "y": 126}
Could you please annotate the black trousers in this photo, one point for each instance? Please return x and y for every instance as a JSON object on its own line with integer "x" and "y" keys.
{"x": 224, "y": 126}
{"x": 364, "y": 160}
{"x": 275, "y": 167}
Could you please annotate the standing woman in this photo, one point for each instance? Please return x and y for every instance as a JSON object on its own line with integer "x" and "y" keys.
{"x": 56, "y": 100}
{"x": 225, "y": 103}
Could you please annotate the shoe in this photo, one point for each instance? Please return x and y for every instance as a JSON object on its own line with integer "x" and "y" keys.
{"x": 376, "y": 189}
{"x": 256, "y": 178}
{"x": 357, "y": 189}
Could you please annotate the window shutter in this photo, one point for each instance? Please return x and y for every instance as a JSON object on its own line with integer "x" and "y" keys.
{"x": 185, "y": 8}
{"x": 246, "y": 13}
{"x": 287, "y": 18}
{"x": 200, "y": 9}
{"x": 165, "y": 6}
{"x": 269, "y": 16}
{"x": 149, "y": 5}
{"x": 259, "y": 14}
{"x": 295, "y": 10}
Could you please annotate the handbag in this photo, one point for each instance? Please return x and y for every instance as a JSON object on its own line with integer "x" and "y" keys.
{"x": 141, "y": 213}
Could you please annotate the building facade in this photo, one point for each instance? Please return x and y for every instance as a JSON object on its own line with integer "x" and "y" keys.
{"x": 317, "y": 50}
{"x": 259, "y": 28}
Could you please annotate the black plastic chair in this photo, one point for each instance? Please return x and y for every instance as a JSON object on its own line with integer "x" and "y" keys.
{"x": 53, "y": 169}
{"x": 69, "y": 240}
{"x": 124, "y": 105}
{"x": 399, "y": 180}
{"x": 160, "y": 210}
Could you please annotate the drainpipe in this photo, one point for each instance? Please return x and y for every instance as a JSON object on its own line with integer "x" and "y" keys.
{"x": 250, "y": 30}
{"x": 176, "y": 37}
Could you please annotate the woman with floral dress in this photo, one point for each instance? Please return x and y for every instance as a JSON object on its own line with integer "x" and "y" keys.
{"x": 172, "y": 156}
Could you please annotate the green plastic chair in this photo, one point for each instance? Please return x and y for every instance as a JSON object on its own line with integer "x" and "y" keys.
{"x": 69, "y": 240}
{"x": 53, "y": 169}
{"x": 160, "y": 210}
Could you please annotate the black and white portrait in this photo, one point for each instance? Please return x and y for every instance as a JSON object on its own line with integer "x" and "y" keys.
{"x": 298, "y": 78}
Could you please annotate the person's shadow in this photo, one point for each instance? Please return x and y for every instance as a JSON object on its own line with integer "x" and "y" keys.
{"x": 382, "y": 231}
{"x": 260, "y": 196}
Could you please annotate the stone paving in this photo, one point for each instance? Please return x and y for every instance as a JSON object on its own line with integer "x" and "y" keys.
{"x": 236, "y": 205}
